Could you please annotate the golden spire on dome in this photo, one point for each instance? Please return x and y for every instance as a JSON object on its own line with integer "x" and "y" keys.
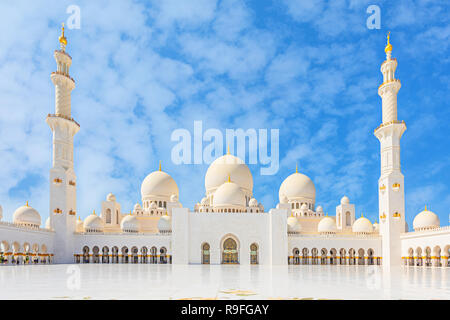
{"x": 388, "y": 47}
{"x": 62, "y": 38}
{"x": 79, "y": 219}
{"x": 425, "y": 207}
{"x": 228, "y": 148}
{"x": 28, "y": 205}
{"x": 159, "y": 165}
{"x": 296, "y": 167}
{"x": 229, "y": 178}
{"x": 362, "y": 215}
{"x": 94, "y": 213}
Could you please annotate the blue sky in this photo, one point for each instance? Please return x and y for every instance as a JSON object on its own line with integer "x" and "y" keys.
{"x": 143, "y": 69}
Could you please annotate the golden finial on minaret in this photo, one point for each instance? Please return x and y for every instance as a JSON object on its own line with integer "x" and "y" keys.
{"x": 62, "y": 38}
{"x": 159, "y": 165}
{"x": 388, "y": 47}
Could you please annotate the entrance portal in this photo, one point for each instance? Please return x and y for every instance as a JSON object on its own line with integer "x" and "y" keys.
{"x": 230, "y": 253}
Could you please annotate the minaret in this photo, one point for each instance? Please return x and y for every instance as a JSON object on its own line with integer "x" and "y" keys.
{"x": 62, "y": 174}
{"x": 391, "y": 193}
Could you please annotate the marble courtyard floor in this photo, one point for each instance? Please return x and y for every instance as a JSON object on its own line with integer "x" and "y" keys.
{"x": 146, "y": 281}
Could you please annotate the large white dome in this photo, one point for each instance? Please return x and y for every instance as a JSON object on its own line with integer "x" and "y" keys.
{"x": 362, "y": 225}
{"x": 159, "y": 184}
{"x": 327, "y": 225}
{"x": 229, "y": 194}
{"x": 129, "y": 224}
{"x": 228, "y": 165}
{"x": 297, "y": 186}
{"x": 93, "y": 223}
{"x": 426, "y": 220}
{"x": 26, "y": 215}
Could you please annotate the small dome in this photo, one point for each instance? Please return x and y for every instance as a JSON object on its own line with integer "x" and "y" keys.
{"x": 93, "y": 223}
{"x": 153, "y": 205}
{"x": 129, "y": 224}
{"x": 204, "y": 201}
{"x": 362, "y": 225}
{"x": 165, "y": 224}
{"x": 137, "y": 207}
{"x": 80, "y": 225}
{"x": 229, "y": 194}
{"x": 174, "y": 198}
{"x": 426, "y": 220}
{"x": 110, "y": 197}
{"x": 47, "y": 224}
{"x": 319, "y": 209}
{"x": 160, "y": 184}
{"x": 345, "y": 200}
{"x": 376, "y": 227}
{"x": 297, "y": 185}
{"x": 228, "y": 165}
{"x": 326, "y": 225}
{"x": 28, "y": 216}
{"x": 253, "y": 202}
{"x": 293, "y": 225}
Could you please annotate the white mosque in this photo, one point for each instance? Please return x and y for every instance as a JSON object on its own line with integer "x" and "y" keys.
{"x": 229, "y": 225}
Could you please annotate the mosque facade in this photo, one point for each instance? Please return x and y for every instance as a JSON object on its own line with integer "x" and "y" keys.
{"x": 229, "y": 225}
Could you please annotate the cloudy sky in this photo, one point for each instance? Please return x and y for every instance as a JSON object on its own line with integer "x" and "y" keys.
{"x": 145, "y": 68}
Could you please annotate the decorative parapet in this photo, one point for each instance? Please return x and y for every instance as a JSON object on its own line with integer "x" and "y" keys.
{"x": 335, "y": 236}
{"x": 22, "y": 227}
{"x": 435, "y": 231}
{"x": 163, "y": 234}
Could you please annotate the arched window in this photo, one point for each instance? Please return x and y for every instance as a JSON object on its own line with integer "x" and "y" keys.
{"x": 108, "y": 216}
{"x": 348, "y": 219}
{"x": 85, "y": 254}
{"x": 253, "y": 253}
{"x": 205, "y": 253}
{"x": 163, "y": 255}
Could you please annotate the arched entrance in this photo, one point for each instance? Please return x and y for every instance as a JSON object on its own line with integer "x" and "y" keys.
{"x": 230, "y": 253}
{"x": 253, "y": 253}
{"x": 205, "y": 253}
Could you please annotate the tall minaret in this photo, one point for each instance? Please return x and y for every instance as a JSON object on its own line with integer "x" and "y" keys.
{"x": 391, "y": 193}
{"x": 62, "y": 174}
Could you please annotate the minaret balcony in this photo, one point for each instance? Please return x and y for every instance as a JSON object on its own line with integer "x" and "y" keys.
{"x": 62, "y": 116}
{"x": 55, "y": 74}
{"x": 389, "y": 123}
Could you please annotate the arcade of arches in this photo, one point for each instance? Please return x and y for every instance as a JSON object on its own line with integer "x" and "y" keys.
{"x": 15, "y": 253}
{"x": 428, "y": 257}
{"x": 124, "y": 254}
